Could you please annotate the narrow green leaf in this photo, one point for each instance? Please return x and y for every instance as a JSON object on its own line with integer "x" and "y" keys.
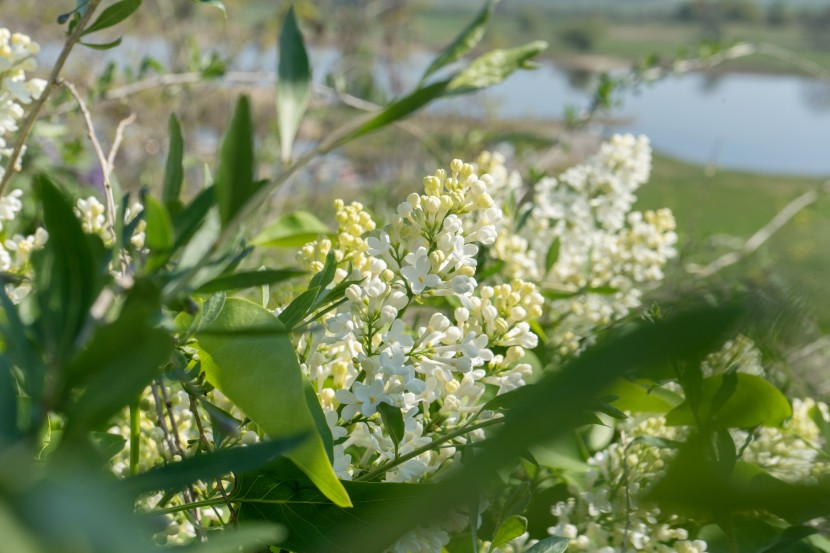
{"x": 553, "y": 254}
{"x": 187, "y": 222}
{"x": 159, "y": 232}
{"x": 291, "y": 231}
{"x": 173, "y": 167}
{"x": 397, "y": 110}
{"x": 299, "y": 308}
{"x": 261, "y": 375}
{"x": 248, "y": 279}
{"x": 210, "y": 465}
{"x": 103, "y": 46}
{"x": 393, "y": 421}
{"x": 9, "y": 430}
{"x": 464, "y": 42}
{"x": 235, "y": 176}
{"x": 293, "y": 83}
{"x": 319, "y": 417}
{"x": 248, "y": 538}
{"x": 553, "y": 544}
{"x": 108, "y": 445}
{"x": 113, "y": 15}
{"x": 326, "y": 275}
{"x": 754, "y": 402}
{"x": 643, "y": 396}
{"x": 494, "y": 67}
{"x": 69, "y": 272}
{"x": 509, "y": 530}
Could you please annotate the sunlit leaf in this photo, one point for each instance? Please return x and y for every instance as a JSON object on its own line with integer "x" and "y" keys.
{"x": 235, "y": 176}
{"x": 113, "y": 15}
{"x": 293, "y": 84}
{"x": 494, "y": 67}
{"x": 261, "y": 375}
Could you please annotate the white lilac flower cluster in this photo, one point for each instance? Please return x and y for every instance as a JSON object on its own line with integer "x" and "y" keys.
{"x": 16, "y": 249}
{"x": 580, "y": 241}
{"x": 17, "y": 57}
{"x": 92, "y": 214}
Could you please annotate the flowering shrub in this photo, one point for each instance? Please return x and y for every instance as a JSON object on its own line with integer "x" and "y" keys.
{"x": 472, "y": 374}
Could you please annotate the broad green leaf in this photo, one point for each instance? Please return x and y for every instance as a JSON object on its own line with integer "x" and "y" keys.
{"x": 173, "y": 167}
{"x": 755, "y": 536}
{"x": 293, "y": 83}
{"x": 212, "y": 465}
{"x": 113, "y": 15}
{"x": 397, "y": 110}
{"x": 754, "y": 402}
{"x": 291, "y": 231}
{"x": 69, "y": 272}
{"x": 393, "y": 421}
{"x": 262, "y": 376}
{"x": 248, "y": 279}
{"x": 187, "y": 222}
{"x": 553, "y": 544}
{"x": 16, "y": 537}
{"x": 235, "y": 176}
{"x": 564, "y": 452}
{"x": 509, "y": 530}
{"x": 282, "y": 495}
{"x": 464, "y": 42}
{"x": 326, "y": 275}
{"x": 553, "y": 254}
{"x": 494, "y": 67}
{"x": 643, "y": 396}
{"x": 119, "y": 361}
{"x": 103, "y": 46}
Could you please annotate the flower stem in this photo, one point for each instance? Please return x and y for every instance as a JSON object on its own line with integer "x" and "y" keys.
{"x": 135, "y": 443}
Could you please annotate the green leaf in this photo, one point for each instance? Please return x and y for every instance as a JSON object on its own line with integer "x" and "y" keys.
{"x": 248, "y": 279}
{"x": 262, "y": 376}
{"x": 397, "y": 110}
{"x": 326, "y": 275}
{"x": 754, "y": 402}
{"x": 173, "y": 168}
{"x": 282, "y": 495}
{"x": 119, "y": 361}
{"x": 108, "y": 445}
{"x": 9, "y": 431}
{"x": 291, "y": 231}
{"x": 209, "y": 466}
{"x": 299, "y": 308}
{"x": 186, "y": 223}
{"x": 159, "y": 232}
{"x": 103, "y": 46}
{"x": 293, "y": 83}
{"x": 553, "y": 544}
{"x": 553, "y": 253}
{"x": 393, "y": 421}
{"x": 250, "y": 538}
{"x": 319, "y": 416}
{"x": 218, "y": 4}
{"x": 494, "y": 67}
{"x": 509, "y": 530}
{"x": 464, "y": 42}
{"x": 235, "y": 176}
{"x": 113, "y": 15}
{"x": 643, "y": 396}
{"x": 69, "y": 272}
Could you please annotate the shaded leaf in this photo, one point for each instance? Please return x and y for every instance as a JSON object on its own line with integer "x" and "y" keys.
{"x": 553, "y": 544}
{"x": 235, "y": 176}
{"x": 103, "y": 46}
{"x": 173, "y": 167}
{"x": 208, "y": 466}
{"x": 509, "y": 530}
{"x": 393, "y": 421}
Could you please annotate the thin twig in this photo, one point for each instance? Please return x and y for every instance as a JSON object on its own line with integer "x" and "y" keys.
{"x": 51, "y": 83}
{"x": 206, "y": 444}
{"x": 757, "y": 239}
{"x": 99, "y": 152}
{"x": 116, "y": 143}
